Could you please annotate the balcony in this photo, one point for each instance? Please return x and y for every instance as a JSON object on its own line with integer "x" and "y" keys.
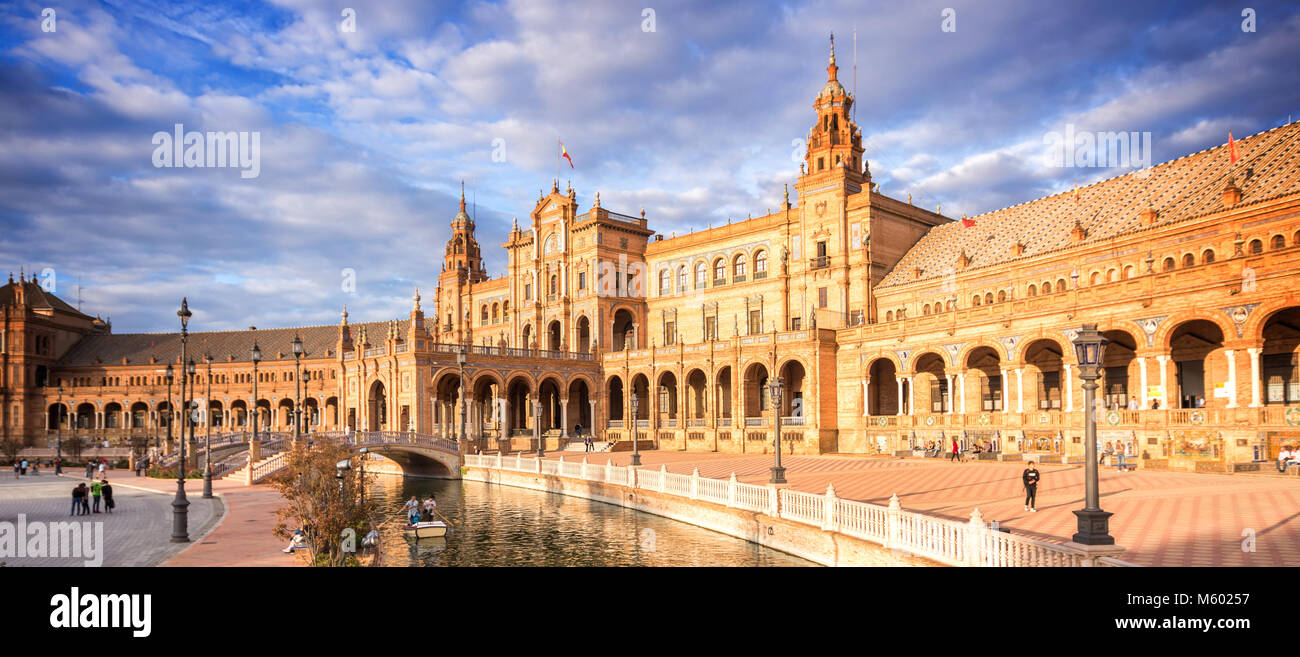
{"x": 820, "y": 262}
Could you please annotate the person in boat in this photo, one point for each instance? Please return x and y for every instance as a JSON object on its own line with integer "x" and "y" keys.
{"x": 430, "y": 507}
{"x": 413, "y": 515}
{"x": 413, "y": 503}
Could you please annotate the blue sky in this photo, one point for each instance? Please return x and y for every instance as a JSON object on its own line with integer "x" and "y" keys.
{"x": 365, "y": 135}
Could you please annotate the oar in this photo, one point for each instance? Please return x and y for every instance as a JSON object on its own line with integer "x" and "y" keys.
{"x": 444, "y": 518}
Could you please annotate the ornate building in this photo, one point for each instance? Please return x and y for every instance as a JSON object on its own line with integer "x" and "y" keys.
{"x": 890, "y": 326}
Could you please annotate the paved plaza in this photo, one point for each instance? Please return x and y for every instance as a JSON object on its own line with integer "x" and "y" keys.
{"x": 137, "y": 533}
{"x": 1161, "y": 518}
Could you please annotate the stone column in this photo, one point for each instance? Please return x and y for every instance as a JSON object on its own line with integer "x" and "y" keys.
{"x": 1006, "y": 400}
{"x": 1020, "y": 390}
{"x": 564, "y": 417}
{"x": 961, "y": 385}
{"x": 1142, "y": 377}
{"x": 952, "y": 394}
{"x": 592, "y": 428}
{"x": 433, "y": 417}
{"x": 1232, "y": 377}
{"x": 1164, "y": 381}
{"x": 1069, "y": 387}
{"x": 866, "y": 399}
{"x": 899, "y": 381}
{"x": 1254, "y": 377}
{"x": 911, "y": 396}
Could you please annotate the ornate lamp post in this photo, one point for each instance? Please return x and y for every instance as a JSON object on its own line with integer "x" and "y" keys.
{"x": 207, "y": 439}
{"x": 191, "y": 408}
{"x": 58, "y": 435}
{"x": 297, "y": 382}
{"x": 464, "y": 403}
{"x": 775, "y": 387}
{"x": 365, "y": 454}
{"x": 636, "y": 451}
{"x": 306, "y": 416}
{"x": 256, "y": 357}
{"x": 170, "y": 377}
{"x": 1093, "y": 525}
{"x": 537, "y": 426}
{"x": 180, "y": 505}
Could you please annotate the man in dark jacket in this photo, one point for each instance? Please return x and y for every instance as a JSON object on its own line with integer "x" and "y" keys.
{"x": 1030, "y": 478}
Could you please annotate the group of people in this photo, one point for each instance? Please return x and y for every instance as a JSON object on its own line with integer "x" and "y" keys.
{"x": 1288, "y": 457}
{"x": 933, "y": 448}
{"x": 83, "y": 496}
{"x": 417, "y": 511}
{"x": 22, "y": 465}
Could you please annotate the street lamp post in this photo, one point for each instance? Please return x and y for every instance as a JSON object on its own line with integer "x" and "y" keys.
{"x": 365, "y": 454}
{"x": 256, "y": 358}
{"x": 180, "y": 505}
{"x": 636, "y": 452}
{"x": 297, "y": 382}
{"x": 537, "y": 426}
{"x": 207, "y": 439}
{"x": 58, "y": 435}
{"x": 778, "y": 472}
{"x": 464, "y": 405}
{"x": 1093, "y": 523}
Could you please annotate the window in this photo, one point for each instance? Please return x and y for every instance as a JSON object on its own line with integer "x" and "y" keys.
{"x": 1049, "y": 391}
{"x": 1189, "y": 259}
{"x": 711, "y": 328}
{"x": 1032, "y": 291}
{"x": 719, "y": 271}
{"x": 1256, "y": 247}
{"x": 991, "y": 393}
{"x": 760, "y": 264}
{"x": 755, "y": 322}
{"x": 1207, "y": 257}
{"x": 925, "y": 310}
{"x": 988, "y": 299}
{"x": 1128, "y": 272}
{"x": 528, "y": 294}
{"x": 1060, "y": 285}
{"x": 582, "y": 280}
{"x": 554, "y": 284}
{"x": 1002, "y": 296}
{"x": 670, "y": 333}
{"x": 821, "y": 163}
{"x": 496, "y": 312}
{"x": 701, "y": 275}
{"x": 939, "y": 395}
{"x": 795, "y": 323}
{"x": 889, "y": 316}
{"x": 1168, "y": 265}
{"x": 1278, "y": 242}
{"x": 483, "y": 314}
{"x": 821, "y": 297}
{"x": 681, "y": 278}
{"x": 975, "y": 301}
{"x": 664, "y": 282}
{"x": 738, "y": 268}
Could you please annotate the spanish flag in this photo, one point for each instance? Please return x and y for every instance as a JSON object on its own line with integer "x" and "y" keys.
{"x": 565, "y": 154}
{"x": 1076, "y": 192}
{"x": 966, "y": 223}
{"x": 1232, "y": 149}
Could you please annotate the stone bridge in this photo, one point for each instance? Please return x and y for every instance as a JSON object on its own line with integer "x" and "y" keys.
{"x": 417, "y": 453}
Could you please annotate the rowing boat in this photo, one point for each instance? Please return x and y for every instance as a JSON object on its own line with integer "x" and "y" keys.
{"x": 432, "y": 529}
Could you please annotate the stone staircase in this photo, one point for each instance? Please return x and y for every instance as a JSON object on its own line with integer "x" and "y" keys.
{"x": 576, "y": 445}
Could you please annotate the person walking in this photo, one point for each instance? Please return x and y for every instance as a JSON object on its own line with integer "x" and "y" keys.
{"x": 16, "y": 468}
{"x": 1030, "y": 478}
{"x": 956, "y": 451}
{"x": 24, "y": 466}
{"x": 96, "y": 489}
{"x": 85, "y": 500}
{"x": 103, "y": 463}
{"x": 107, "y": 491}
{"x": 90, "y": 469}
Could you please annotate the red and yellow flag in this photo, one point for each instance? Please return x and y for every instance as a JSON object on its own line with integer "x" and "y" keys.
{"x": 966, "y": 223}
{"x": 1076, "y": 192}
{"x": 565, "y": 154}
{"x": 1232, "y": 149}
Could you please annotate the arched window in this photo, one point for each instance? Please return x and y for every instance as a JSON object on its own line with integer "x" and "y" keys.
{"x": 988, "y": 299}
{"x": 1032, "y": 291}
{"x": 1095, "y": 278}
{"x": 701, "y": 274}
{"x": 681, "y": 278}
{"x": 1110, "y": 276}
{"x": 738, "y": 268}
{"x": 554, "y": 283}
{"x": 719, "y": 271}
{"x": 925, "y": 310}
{"x": 496, "y": 311}
{"x": 760, "y": 262}
{"x": 1278, "y": 242}
{"x": 1256, "y": 247}
{"x": 1189, "y": 259}
{"x": 1002, "y": 296}
{"x": 482, "y": 315}
{"x": 1128, "y": 272}
{"x": 505, "y": 308}
{"x": 1295, "y": 239}
{"x": 664, "y": 281}
{"x": 951, "y": 303}
{"x": 975, "y": 301}
{"x": 1168, "y": 265}
{"x": 1207, "y": 256}
{"x": 889, "y": 317}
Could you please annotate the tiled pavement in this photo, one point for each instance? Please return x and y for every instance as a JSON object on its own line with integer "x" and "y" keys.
{"x": 137, "y": 533}
{"x": 243, "y": 538}
{"x": 1161, "y": 518}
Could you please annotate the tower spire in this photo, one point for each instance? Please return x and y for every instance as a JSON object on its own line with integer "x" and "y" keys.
{"x": 832, "y": 70}
{"x": 462, "y": 194}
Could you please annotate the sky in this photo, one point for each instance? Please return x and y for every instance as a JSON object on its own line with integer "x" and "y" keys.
{"x": 367, "y": 117}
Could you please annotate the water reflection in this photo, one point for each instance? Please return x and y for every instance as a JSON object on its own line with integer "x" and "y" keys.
{"x": 495, "y": 525}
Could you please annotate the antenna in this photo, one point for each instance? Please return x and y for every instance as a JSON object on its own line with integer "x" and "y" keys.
{"x": 855, "y": 73}
{"x": 78, "y": 297}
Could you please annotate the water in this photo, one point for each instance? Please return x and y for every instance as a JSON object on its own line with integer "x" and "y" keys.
{"x": 496, "y": 525}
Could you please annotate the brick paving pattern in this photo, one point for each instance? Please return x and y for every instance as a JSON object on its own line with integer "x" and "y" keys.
{"x": 1161, "y": 518}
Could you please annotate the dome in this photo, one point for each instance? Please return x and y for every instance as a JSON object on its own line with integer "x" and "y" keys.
{"x": 832, "y": 88}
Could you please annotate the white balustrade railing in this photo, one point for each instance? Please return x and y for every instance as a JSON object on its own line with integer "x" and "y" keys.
{"x": 950, "y": 542}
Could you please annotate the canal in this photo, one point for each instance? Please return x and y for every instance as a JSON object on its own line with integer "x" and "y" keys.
{"x": 494, "y": 525}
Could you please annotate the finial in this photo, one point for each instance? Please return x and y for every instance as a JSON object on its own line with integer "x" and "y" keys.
{"x": 787, "y": 194}
{"x": 832, "y": 48}
{"x": 555, "y": 184}
{"x": 643, "y": 213}
{"x": 417, "y": 299}
{"x": 462, "y": 195}
{"x": 909, "y": 198}
{"x": 515, "y": 227}
{"x": 345, "y": 314}
{"x": 832, "y": 69}
{"x": 597, "y": 199}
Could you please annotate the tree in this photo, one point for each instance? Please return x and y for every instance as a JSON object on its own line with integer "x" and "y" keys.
{"x": 324, "y": 502}
{"x": 75, "y": 445}
{"x": 11, "y": 447}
